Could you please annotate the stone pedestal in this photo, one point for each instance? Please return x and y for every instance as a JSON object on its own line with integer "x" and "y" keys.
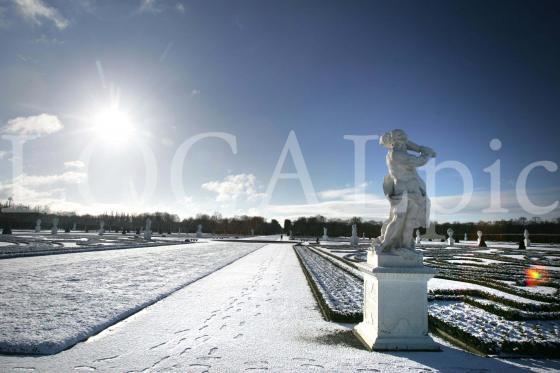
{"x": 395, "y": 303}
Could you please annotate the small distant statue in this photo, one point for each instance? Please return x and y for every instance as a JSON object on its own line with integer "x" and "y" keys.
{"x": 148, "y": 230}
{"x": 199, "y": 231}
{"x": 38, "y": 226}
{"x": 74, "y": 227}
{"x": 526, "y": 240}
{"x": 481, "y": 242}
{"x": 54, "y": 229}
{"x": 418, "y": 237}
{"x": 252, "y": 232}
{"x": 101, "y": 230}
{"x": 466, "y": 237}
{"x": 354, "y": 238}
{"x": 325, "y": 236}
{"x": 405, "y": 190}
{"x": 450, "y": 239}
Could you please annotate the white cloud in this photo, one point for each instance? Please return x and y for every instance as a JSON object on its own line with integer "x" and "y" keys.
{"x": 344, "y": 203}
{"x": 234, "y": 187}
{"x": 41, "y": 190}
{"x": 344, "y": 193}
{"x": 180, "y": 8}
{"x": 74, "y": 164}
{"x": 38, "y": 125}
{"x": 150, "y": 6}
{"x": 43, "y": 39}
{"x": 158, "y": 6}
{"x": 36, "y": 11}
{"x": 65, "y": 178}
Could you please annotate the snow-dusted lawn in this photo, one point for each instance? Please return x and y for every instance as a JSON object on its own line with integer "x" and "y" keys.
{"x": 442, "y": 284}
{"x": 254, "y": 315}
{"x": 548, "y": 268}
{"x": 48, "y": 303}
{"x": 491, "y": 328}
{"x": 483, "y": 261}
{"x": 547, "y": 290}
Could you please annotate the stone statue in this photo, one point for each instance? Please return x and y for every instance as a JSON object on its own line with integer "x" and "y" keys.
{"x": 466, "y": 238}
{"x": 148, "y": 229}
{"x": 74, "y": 227}
{"x": 450, "y": 239}
{"x": 199, "y": 231}
{"x": 325, "y": 236}
{"x": 481, "y": 242}
{"x": 395, "y": 311}
{"x": 431, "y": 234}
{"x": 405, "y": 190}
{"x": 354, "y": 238}
{"x": 38, "y": 226}
{"x": 101, "y": 231}
{"x": 54, "y": 229}
{"x": 526, "y": 240}
{"x": 418, "y": 237}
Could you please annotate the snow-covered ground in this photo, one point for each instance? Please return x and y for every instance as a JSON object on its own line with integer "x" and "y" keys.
{"x": 443, "y": 284}
{"x": 491, "y": 328}
{"x": 32, "y": 244}
{"x": 48, "y": 303}
{"x": 255, "y": 314}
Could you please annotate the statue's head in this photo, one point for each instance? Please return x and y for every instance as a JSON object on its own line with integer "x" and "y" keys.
{"x": 394, "y": 139}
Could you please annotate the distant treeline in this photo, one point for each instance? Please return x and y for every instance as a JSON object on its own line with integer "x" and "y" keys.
{"x": 161, "y": 223}
{"x": 502, "y": 230}
{"x": 308, "y": 227}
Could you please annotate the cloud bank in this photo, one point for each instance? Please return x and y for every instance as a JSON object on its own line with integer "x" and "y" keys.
{"x": 38, "y": 125}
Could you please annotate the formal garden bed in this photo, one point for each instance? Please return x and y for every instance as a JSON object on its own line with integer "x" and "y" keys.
{"x": 479, "y": 312}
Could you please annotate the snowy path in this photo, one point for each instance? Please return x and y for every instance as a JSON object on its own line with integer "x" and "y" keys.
{"x": 256, "y": 314}
{"x": 51, "y": 302}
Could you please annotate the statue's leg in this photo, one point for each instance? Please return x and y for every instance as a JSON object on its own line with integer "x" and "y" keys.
{"x": 412, "y": 221}
{"x": 393, "y": 234}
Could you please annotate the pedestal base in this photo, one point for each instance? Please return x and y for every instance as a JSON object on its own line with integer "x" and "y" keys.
{"x": 373, "y": 343}
{"x": 395, "y": 304}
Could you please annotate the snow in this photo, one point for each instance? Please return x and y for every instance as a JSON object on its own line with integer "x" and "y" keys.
{"x": 48, "y": 303}
{"x": 341, "y": 290}
{"x": 479, "y": 261}
{"x": 441, "y": 284}
{"x": 514, "y": 256}
{"x": 491, "y": 328}
{"x": 40, "y": 244}
{"x": 546, "y": 290}
{"x": 549, "y": 268}
{"x": 255, "y": 314}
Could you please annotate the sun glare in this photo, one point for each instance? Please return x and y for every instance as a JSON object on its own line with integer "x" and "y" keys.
{"x": 113, "y": 125}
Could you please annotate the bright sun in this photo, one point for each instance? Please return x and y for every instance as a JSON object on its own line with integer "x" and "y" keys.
{"x": 113, "y": 125}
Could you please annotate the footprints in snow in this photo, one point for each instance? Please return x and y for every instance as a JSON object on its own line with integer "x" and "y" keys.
{"x": 307, "y": 363}
{"x": 256, "y": 365}
{"x": 158, "y": 345}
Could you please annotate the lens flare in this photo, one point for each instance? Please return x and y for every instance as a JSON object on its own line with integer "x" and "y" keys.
{"x": 535, "y": 276}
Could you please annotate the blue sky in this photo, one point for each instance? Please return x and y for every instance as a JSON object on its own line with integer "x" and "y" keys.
{"x": 454, "y": 75}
